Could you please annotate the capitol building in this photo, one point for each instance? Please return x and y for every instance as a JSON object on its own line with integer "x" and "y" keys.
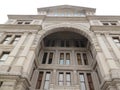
{"x": 61, "y": 48}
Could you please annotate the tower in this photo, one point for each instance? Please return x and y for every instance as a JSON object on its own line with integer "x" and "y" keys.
{"x": 62, "y": 48}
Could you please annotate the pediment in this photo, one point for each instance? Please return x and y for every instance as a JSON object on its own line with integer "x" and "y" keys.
{"x": 65, "y": 9}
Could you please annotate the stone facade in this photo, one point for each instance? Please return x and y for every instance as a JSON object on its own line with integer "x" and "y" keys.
{"x": 62, "y": 48}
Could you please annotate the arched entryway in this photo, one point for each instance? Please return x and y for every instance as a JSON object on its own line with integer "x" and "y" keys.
{"x": 66, "y": 60}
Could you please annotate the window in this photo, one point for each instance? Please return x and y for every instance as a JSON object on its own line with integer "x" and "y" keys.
{"x": 112, "y": 23}
{"x": 79, "y": 59}
{"x": 61, "y": 79}
{"x": 64, "y": 58}
{"x": 1, "y": 82}
{"x": 7, "y": 39}
{"x": 20, "y": 22}
{"x": 91, "y": 87}
{"x": 50, "y": 43}
{"x": 16, "y": 39}
{"x": 64, "y": 78}
{"x": 44, "y": 58}
{"x": 80, "y": 43}
{"x": 82, "y": 81}
{"x": 86, "y": 78}
{"x": 47, "y": 81}
{"x": 47, "y": 58}
{"x": 50, "y": 58}
{"x": 39, "y": 81}
{"x": 4, "y": 56}
{"x": 82, "y": 58}
{"x": 85, "y": 59}
{"x": 117, "y": 41}
{"x": 68, "y": 79}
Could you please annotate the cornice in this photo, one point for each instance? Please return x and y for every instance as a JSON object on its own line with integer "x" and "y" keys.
{"x": 20, "y": 27}
{"x": 105, "y": 28}
{"x": 103, "y": 17}
{"x": 26, "y": 17}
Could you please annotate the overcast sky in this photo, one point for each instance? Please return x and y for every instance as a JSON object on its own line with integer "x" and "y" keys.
{"x": 103, "y": 7}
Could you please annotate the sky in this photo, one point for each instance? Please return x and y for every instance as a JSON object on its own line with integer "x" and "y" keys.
{"x": 28, "y": 7}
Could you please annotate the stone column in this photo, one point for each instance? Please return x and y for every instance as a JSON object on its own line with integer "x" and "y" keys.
{"x": 12, "y": 54}
{"x": 75, "y": 80}
{"x": 53, "y": 81}
{"x": 23, "y": 57}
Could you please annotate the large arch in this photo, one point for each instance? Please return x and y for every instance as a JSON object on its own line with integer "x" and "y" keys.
{"x": 80, "y": 29}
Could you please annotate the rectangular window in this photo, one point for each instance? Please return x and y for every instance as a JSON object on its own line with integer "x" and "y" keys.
{"x": 52, "y": 43}
{"x": 67, "y": 43}
{"x": 39, "y": 81}
{"x": 91, "y": 87}
{"x": 117, "y": 41}
{"x": 67, "y": 58}
{"x": 16, "y": 39}
{"x": 61, "y": 61}
{"x": 82, "y": 81}
{"x": 85, "y": 59}
{"x": 47, "y": 81}
{"x": 6, "y": 40}
{"x": 1, "y": 82}
{"x": 79, "y": 59}
{"x": 61, "y": 79}
{"x": 44, "y": 58}
{"x": 50, "y": 58}
{"x": 62, "y": 43}
{"x": 77, "y": 43}
{"x": 68, "y": 79}
{"x": 4, "y": 56}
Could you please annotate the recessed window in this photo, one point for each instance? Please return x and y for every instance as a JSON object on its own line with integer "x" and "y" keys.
{"x": 16, "y": 39}
{"x": 47, "y": 81}
{"x": 82, "y": 59}
{"x": 21, "y": 22}
{"x": 7, "y": 39}
{"x": 79, "y": 59}
{"x": 39, "y": 81}
{"x": 82, "y": 81}
{"x": 1, "y": 82}
{"x": 64, "y": 58}
{"x": 85, "y": 59}
{"x": 117, "y": 41}
{"x": 106, "y": 24}
{"x": 47, "y": 58}
{"x": 91, "y": 87}
{"x": 64, "y": 79}
{"x": 4, "y": 56}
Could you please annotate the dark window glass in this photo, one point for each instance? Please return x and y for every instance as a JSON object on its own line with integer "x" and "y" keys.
{"x": 77, "y": 44}
{"x": 44, "y": 58}
{"x": 79, "y": 59}
{"x": 62, "y": 43}
{"x": 85, "y": 59}
{"x": 53, "y": 43}
{"x": 39, "y": 81}
{"x": 1, "y": 82}
{"x": 67, "y": 43}
{"x": 50, "y": 58}
{"x": 91, "y": 87}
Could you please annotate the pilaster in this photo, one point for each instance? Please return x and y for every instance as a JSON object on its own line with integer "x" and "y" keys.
{"x": 23, "y": 57}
